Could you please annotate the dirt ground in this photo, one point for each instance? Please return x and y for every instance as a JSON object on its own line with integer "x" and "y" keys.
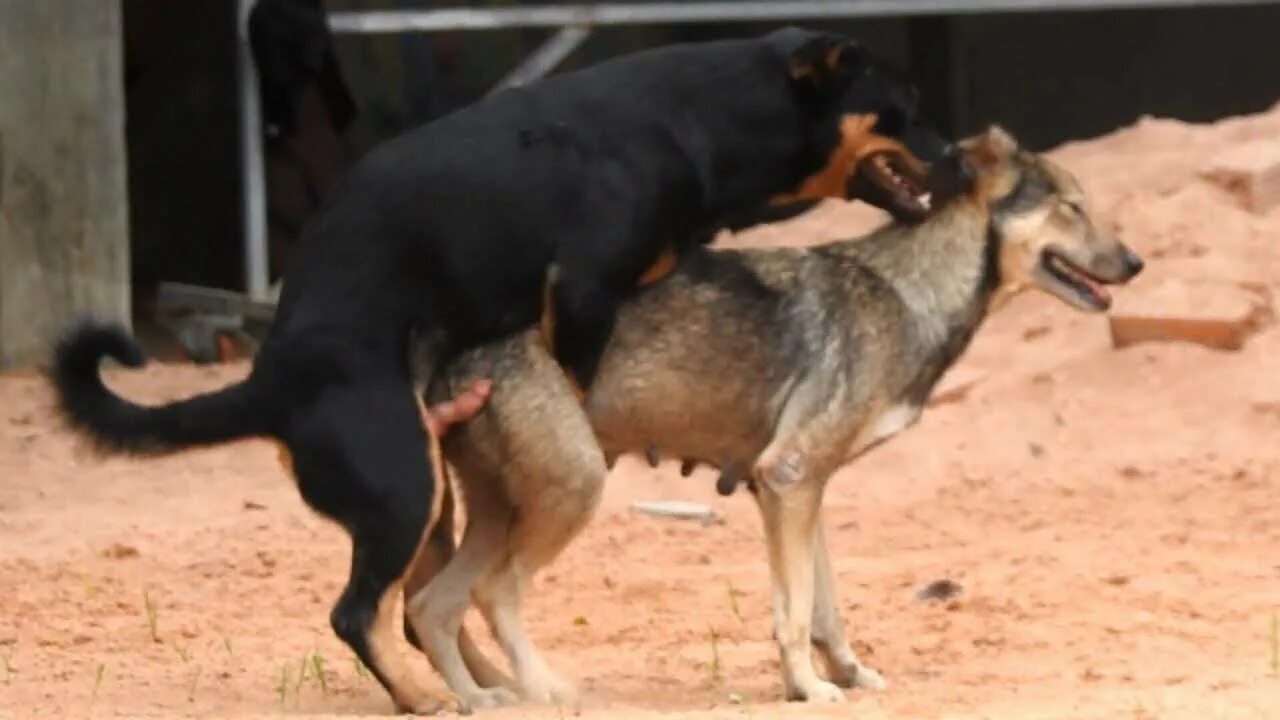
{"x": 1113, "y": 518}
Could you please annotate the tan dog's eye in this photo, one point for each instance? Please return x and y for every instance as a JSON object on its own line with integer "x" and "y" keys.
{"x": 1073, "y": 207}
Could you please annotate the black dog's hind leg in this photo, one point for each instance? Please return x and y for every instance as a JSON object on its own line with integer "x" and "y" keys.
{"x": 359, "y": 454}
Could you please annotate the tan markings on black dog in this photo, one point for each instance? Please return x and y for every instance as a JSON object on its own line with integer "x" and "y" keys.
{"x": 838, "y": 354}
{"x": 802, "y": 67}
{"x": 547, "y": 320}
{"x": 405, "y": 690}
{"x": 285, "y": 457}
{"x": 439, "y": 470}
{"x": 660, "y": 268}
{"x": 858, "y": 143}
{"x": 547, "y": 325}
{"x": 435, "y": 550}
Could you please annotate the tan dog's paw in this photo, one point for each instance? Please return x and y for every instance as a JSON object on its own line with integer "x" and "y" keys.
{"x": 552, "y": 690}
{"x": 816, "y": 690}
{"x": 857, "y": 676}
{"x": 494, "y": 697}
{"x": 434, "y": 704}
{"x": 869, "y": 679}
{"x": 844, "y": 669}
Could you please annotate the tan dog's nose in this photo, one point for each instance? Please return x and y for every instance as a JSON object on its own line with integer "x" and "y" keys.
{"x": 1132, "y": 263}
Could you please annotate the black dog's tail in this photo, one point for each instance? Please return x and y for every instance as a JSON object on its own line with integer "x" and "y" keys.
{"x": 120, "y": 425}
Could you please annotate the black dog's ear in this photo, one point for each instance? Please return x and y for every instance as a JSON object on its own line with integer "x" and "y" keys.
{"x": 816, "y": 60}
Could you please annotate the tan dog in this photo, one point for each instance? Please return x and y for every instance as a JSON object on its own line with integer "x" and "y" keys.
{"x": 789, "y": 362}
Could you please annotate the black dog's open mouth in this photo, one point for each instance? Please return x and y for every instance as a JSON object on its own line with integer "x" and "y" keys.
{"x": 1073, "y": 283}
{"x": 893, "y": 182}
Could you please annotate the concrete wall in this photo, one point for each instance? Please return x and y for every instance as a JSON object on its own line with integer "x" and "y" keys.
{"x": 64, "y": 245}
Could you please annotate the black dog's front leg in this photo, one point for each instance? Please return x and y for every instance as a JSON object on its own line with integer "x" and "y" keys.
{"x": 582, "y": 313}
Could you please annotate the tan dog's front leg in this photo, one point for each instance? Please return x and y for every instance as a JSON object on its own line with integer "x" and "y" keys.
{"x": 790, "y": 499}
{"x": 843, "y": 666}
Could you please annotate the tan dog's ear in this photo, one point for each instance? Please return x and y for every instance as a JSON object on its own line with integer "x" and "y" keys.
{"x": 991, "y": 148}
{"x": 1000, "y": 141}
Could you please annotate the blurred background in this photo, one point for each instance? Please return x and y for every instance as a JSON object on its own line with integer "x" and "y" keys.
{"x": 137, "y": 115}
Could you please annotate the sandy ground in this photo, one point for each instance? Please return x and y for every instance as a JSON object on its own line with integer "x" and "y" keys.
{"x": 1112, "y": 516}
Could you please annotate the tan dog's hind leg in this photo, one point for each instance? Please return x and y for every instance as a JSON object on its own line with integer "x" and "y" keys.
{"x": 531, "y": 474}
{"x": 435, "y": 555}
{"x": 553, "y": 473}
{"x": 499, "y": 598}
{"x": 790, "y": 516}
{"x": 558, "y": 493}
{"x": 437, "y": 610}
{"x": 843, "y": 666}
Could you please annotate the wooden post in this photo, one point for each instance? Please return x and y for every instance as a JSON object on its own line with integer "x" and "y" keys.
{"x": 64, "y": 219}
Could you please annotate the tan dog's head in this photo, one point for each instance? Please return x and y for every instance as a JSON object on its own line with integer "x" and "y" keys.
{"x": 1041, "y": 222}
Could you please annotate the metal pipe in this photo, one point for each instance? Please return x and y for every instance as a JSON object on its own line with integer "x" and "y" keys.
{"x": 545, "y": 59}
{"x": 394, "y": 21}
{"x": 253, "y": 185}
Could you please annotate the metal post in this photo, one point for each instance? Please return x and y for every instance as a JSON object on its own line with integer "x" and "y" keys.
{"x": 253, "y": 185}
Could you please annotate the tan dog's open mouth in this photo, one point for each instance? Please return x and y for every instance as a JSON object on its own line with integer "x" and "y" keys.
{"x": 1072, "y": 283}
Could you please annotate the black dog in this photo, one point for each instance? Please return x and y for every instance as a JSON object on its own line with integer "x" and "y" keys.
{"x": 449, "y": 231}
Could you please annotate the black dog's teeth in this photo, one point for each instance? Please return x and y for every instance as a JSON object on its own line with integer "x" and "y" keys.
{"x": 898, "y": 179}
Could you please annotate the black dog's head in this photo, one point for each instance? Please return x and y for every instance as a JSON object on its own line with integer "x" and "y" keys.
{"x": 865, "y": 130}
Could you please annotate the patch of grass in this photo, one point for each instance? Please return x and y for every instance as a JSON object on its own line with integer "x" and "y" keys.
{"x": 283, "y": 687}
{"x": 183, "y": 651}
{"x": 717, "y": 672}
{"x": 6, "y": 663}
{"x": 302, "y": 677}
{"x": 317, "y": 667}
{"x": 580, "y": 621}
{"x": 153, "y": 615}
{"x": 733, "y": 601}
{"x": 97, "y": 681}
{"x": 226, "y": 643}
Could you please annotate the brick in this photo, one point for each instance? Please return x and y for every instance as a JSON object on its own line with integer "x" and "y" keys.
{"x": 1212, "y": 314}
{"x": 1251, "y": 172}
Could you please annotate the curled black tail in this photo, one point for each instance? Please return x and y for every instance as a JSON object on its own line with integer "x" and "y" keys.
{"x": 123, "y": 426}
